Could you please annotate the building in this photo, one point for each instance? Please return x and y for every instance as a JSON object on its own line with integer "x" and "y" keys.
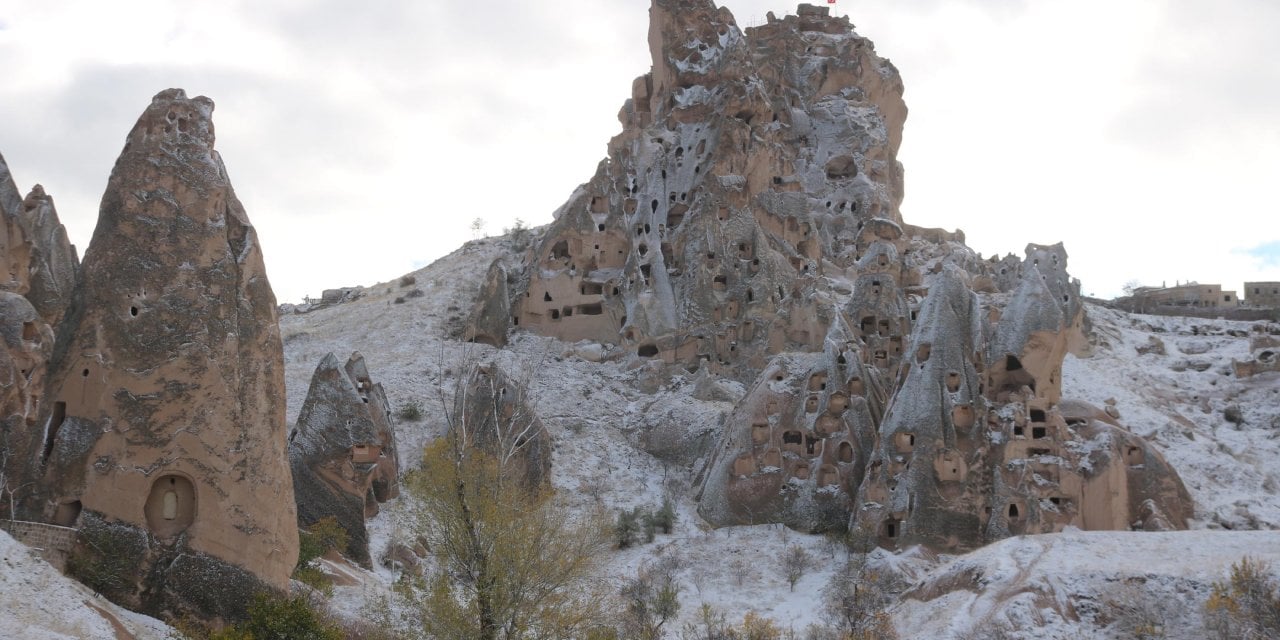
{"x": 1191, "y": 294}
{"x": 1262, "y": 294}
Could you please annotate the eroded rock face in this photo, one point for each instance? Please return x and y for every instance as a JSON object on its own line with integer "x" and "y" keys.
{"x": 494, "y": 412}
{"x": 748, "y": 166}
{"x": 343, "y": 451}
{"x": 166, "y": 389}
{"x": 26, "y": 343}
{"x": 54, "y": 264}
{"x": 745, "y": 225}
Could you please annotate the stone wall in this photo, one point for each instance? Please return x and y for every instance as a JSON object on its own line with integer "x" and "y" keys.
{"x": 53, "y": 542}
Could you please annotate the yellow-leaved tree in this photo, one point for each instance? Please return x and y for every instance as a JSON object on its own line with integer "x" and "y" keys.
{"x": 511, "y": 562}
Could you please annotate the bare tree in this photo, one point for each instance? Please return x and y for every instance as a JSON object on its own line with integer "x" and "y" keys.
{"x": 794, "y": 563}
{"x": 652, "y": 599}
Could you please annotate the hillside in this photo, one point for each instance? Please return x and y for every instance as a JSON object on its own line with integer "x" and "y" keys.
{"x": 604, "y": 416}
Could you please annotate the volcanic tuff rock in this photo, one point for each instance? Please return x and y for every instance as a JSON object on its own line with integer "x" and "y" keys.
{"x": 492, "y": 410}
{"x": 40, "y": 261}
{"x": 166, "y": 426}
{"x": 343, "y": 451}
{"x": 40, "y": 270}
{"x": 746, "y": 225}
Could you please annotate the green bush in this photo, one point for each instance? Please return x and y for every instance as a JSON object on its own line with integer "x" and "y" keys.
{"x": 317, "y": 539}
{"x": 278, "y": 618}
{"x": 410, "y": 412}
{"x": 626, "y": 532}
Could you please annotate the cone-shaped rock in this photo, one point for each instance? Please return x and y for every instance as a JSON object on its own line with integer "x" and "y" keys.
{"x": 343, "y": 452}
{"x": 166, "y": 434}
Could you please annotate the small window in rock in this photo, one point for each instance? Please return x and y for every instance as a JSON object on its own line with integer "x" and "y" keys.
{"x": 647, "y": 350}
{"x": 1037, "y": 415}
{"x": 133, "y": 311}
{"x": 1013, "y": 511}
{"x": 1011, "y": 363}
{"x": 546, "y": 297}
{"x": 555, "y": 314}
{"x": 953, "y": 381}
{"x": 1017, "y": 430}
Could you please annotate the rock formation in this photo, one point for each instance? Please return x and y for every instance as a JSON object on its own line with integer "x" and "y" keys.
{"x": 164, "y": 437}
{"x": 746, "y": 225}
{"x": 343, "y": 451}
{"x": 40, "y": 272}
{"x": 492, "y": 411}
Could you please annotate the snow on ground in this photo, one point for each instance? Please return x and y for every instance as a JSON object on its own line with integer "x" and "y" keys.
{"x": 1178, "y": 401}
{"x": 39, "y": 603}
{"x": 604, "y": 416}
{"x": 1045, "y": 586}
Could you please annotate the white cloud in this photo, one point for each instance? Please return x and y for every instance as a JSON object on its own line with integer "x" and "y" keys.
{"x": 363, "y": 140}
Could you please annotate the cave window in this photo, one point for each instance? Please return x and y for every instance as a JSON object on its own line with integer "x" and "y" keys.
{"x": 891, "y": 528}
{"x": 751, "y": 296}
{"x": 719, "y": 283}
{"x": 953, "y": 381}
{"x": 590, "y": 309}
{"x": 1037, "y": 415}
{"x": 1039, "y": 432}
{"x": 647, "y": 350}
{"x": 868, "y": 323}
{"x": 546, "y": 296}
{"x": 67, "y": 513}
{"x": 845, "y": 452}
{"x": 905, "y": 442}
{"x": 559, "y": 251}
{"x": 591, "y": 288}
{"x": 566, "y": 312}
{"x": 793, "y": 441}
{"x": 133, "y": 311}
{"x": 1017, "y": 430}
{"x": 555, "y": 314}
{"x": 1011, "y": 363}
{"x": 1013, "y": 511}
{"x": 809, "y": 443}
{"x": 29, "y": 332}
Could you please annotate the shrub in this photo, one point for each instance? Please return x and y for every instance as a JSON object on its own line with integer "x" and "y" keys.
{"x": 1246, "y": 605}
{"x": 626, "y": 532}
{"x": 411, "y": 411}
{"x": 323, "y": 535}
{"x": 279, "y": 618}
{"x": 794, "y": 564}
{"x": 664, "y": 519}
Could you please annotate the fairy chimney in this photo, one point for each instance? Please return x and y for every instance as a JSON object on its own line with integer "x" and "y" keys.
{"x": 166, "y": 428}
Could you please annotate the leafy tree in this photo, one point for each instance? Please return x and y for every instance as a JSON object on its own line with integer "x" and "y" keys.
{"x": 512, "y": 562}
{"x": 1246, "y": 605}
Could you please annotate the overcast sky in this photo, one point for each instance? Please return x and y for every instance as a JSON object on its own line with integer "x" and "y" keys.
{"x": 363, "y": 140}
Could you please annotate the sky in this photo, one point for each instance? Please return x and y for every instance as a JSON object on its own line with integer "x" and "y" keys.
{"x": 363, "y": 142}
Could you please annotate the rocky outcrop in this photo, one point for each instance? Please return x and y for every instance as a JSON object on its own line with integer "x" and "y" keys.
{"x": 749, "y": 165}
{"x": 166, "y": 389}
{"x": 54, "y": 264}
{"x": 26, "y": 343}
{"x": 40, "y": 262}
{"x": 488, "y": 322}
{"x": 745, "y": 225}
{"x": 343, "y": 451}
{"x": 493, "y": 411}
{"x": 40, "y": 269}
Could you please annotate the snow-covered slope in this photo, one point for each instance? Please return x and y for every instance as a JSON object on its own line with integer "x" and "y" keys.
{"x": 605, "y": 418}
{"x": 38, "y": 603}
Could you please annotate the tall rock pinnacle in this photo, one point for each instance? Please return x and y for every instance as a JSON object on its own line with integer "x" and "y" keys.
{"x": 166, "y": 425}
